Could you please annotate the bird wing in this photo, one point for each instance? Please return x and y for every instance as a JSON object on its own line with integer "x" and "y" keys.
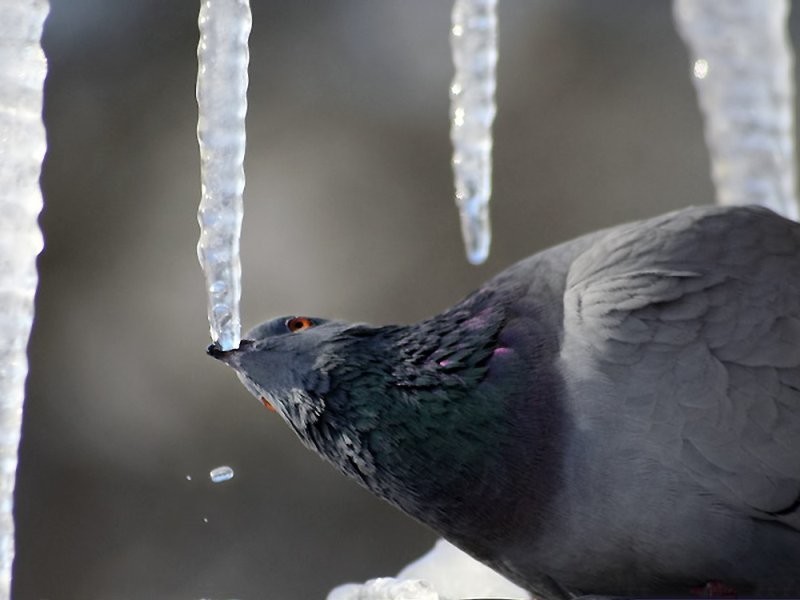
{"x": 688, "y": 326}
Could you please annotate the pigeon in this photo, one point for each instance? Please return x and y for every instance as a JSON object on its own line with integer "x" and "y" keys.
{"x": 617, "y": 415}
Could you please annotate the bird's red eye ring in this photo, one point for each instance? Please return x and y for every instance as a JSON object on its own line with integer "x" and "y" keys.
{"x": 298, "y": 324}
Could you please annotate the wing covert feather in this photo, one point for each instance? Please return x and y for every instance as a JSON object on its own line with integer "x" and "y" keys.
{"x": 691, "y": 321}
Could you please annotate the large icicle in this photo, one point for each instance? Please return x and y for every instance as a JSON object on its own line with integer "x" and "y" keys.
{"x": 22, "y": 148}
{"x": 473, "y": 38}
{"x": 742, "y": 67}
{"x": 222, "y": 56}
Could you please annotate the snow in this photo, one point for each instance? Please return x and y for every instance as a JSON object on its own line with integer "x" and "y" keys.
{"x": 444, "y": 573}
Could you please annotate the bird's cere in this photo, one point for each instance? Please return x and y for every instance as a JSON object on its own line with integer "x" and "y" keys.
{"x": 473, "y": 39}
{"x": 742, "y": 66}
{"x": 23, "y": 68}
{"x": 222, "y": 56}
{"x": 220, "y": 474}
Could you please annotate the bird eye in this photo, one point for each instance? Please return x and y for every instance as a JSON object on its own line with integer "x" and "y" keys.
{"x": 298, "y": 324}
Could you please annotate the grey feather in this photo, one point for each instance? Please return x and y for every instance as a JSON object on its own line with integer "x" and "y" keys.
{"x": 719, "y": 310}
{"x": 617, "y": 415}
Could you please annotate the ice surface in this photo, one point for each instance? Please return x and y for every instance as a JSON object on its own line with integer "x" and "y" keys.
{"x": 473, "y": 38}
{"x": 742, "y": 67}
{"x": 22, "y": 147}
{"x": 455, "y": 574}
{"x": 220, "y": 474}
{"x": 222, "y": 56}
{"x": 386, "y": 588}
{"x": 445, "y": 571}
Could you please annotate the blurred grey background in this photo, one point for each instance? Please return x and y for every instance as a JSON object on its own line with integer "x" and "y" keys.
{"x": 348, "y": 214}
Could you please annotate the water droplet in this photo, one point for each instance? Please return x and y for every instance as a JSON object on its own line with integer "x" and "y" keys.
{"x": 220, "y": 474}
{"x": 188, "y": 478}
{"x": 700, "y": 68}
{"x": 205, "y": 519}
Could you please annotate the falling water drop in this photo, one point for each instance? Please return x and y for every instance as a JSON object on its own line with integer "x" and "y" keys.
{"x": 220, "y": 474}
{"x": 222, "y": 101}
{"x": 473, "y": 39}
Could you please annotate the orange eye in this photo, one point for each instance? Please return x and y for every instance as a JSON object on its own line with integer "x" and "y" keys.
{"x": 298, "y": 324}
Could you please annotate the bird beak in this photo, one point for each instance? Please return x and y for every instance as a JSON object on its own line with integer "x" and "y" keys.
{"x": 232, "y": 358}
{"x": 214, "y": 350}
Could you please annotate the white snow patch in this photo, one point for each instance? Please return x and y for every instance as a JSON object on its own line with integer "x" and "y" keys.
{"x": 444, "y": 573}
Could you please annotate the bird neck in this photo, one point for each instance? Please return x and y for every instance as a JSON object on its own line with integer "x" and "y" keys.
{"x": 425, "y": 424}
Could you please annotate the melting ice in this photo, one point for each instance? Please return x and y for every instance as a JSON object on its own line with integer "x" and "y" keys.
{"x": 222, "y": 56}
{"x": 473, "y": 39}
{"x": 742, "y": 67}
{"x": 22, "y": 146}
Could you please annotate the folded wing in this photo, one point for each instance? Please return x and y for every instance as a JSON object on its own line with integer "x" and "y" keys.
{"x": 692, "y": 326}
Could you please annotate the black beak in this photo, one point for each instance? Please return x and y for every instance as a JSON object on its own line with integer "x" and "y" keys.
{"x": 214, "y": 350}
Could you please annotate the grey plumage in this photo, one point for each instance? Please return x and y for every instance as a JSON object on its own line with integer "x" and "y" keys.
{"x": 616, "y": 415}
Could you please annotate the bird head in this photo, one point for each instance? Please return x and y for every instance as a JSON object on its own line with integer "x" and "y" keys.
{"x": 286, "y": 363}
{"x": 413, "y": 412}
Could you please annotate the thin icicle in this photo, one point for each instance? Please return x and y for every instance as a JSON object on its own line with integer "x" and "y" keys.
{"x": 222, "y": 56}
{"x": 22, "y": 72}
{"x": 473, "y": 38}
{"x": 742, "y": 66}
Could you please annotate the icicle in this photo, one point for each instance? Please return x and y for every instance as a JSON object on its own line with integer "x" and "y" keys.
{"x": 22, "y": 148}
{"x": 742, "y": 66}
{"x": 222, "y": 99}
{"x": 473, "y": 38}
